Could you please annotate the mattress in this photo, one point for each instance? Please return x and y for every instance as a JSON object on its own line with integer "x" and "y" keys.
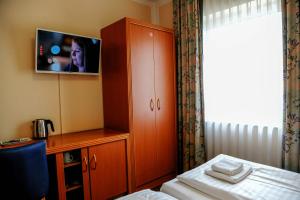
{"x": 147, "y": 195}
{"x": 264, "y": 182}
{"x": 182, "y": 191}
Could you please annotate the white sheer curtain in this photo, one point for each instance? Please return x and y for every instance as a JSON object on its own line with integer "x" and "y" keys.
{"x": 243, "y": 62}
{"x": 222, "y": 12}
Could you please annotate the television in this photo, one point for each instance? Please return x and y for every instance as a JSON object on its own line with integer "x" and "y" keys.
{"x": 65, "y": 53}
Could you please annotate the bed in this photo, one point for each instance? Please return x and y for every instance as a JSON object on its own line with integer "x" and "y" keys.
{"x": 265, "y": 182}
{"x": 147, "y": 194}
{"x": 182, "y": 191}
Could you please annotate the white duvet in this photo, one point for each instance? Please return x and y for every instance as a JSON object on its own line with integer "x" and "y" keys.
{"x": 264, "y": 182}
{"x": 147, "y": 195}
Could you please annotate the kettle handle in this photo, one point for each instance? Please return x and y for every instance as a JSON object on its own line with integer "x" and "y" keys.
{"x": 51, "y": 123}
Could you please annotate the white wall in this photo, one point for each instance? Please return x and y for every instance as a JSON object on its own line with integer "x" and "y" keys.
{"x": 74, "y": 103}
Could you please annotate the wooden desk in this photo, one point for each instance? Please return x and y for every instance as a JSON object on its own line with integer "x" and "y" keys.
{"x": 104, "y": 162}
{"x": 77, "y": 140}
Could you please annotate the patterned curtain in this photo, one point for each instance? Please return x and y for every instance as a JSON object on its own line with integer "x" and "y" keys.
{"x": 291, "y": 38}
{"x": 188, "y": 33}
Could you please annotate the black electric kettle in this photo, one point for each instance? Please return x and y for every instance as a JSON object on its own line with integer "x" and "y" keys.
{"x": 40, "y": 128}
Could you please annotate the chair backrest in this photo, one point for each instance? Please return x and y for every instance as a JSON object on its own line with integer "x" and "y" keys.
{"x": 24, "y": 172}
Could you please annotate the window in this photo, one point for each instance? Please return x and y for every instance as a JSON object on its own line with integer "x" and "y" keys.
{"x": 243, "y": 73}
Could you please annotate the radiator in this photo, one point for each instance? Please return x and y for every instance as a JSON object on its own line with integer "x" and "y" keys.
{"x": 258, "y": 144}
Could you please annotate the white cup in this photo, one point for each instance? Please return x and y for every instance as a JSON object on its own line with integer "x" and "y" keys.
{"x": 68, "y": 157}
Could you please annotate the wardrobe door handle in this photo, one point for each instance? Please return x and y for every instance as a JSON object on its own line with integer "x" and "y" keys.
{"x": 158, "y": 104}
{"x": 151, "y": 105}
{"x": 86, "y": 164}
{"x": 95, "y": 162}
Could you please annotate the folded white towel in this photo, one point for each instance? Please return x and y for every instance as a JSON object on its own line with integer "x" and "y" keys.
{"x": 231, "y": 179}
{"x": 227, "y": 167}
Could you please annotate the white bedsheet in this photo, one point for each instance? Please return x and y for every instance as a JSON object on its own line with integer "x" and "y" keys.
{"x": 264, "y": 182}
{"x": 182, "y": 191}
{"x": 147, "y": 195}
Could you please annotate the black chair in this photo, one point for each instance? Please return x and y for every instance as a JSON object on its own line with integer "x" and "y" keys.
{"x": 24, "y": 172}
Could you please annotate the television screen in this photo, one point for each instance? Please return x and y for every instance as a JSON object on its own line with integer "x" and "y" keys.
{"x": 58, "y": 52}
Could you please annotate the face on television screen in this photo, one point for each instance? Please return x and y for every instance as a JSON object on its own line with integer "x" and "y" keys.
{"x": 65, "y": 53}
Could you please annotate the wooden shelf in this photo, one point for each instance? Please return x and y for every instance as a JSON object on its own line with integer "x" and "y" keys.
{"x": 73, "y": 187}
{"x": 71, "y": 164}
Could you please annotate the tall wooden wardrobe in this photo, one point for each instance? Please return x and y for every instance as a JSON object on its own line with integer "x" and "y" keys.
{"x": 139, "y": 96}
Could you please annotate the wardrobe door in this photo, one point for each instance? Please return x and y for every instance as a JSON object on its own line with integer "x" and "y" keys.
{"x": 165, "y": 102}
{"x": 143, "y": 102}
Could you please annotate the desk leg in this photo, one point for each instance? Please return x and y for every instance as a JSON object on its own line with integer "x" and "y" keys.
{"x": 60, "y": 176}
